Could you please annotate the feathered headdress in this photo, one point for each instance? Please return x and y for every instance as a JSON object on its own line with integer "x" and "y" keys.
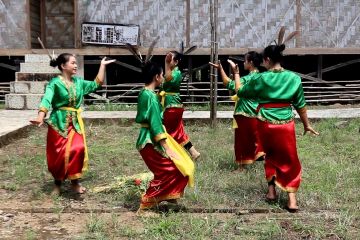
{"x": 52, "y": 57}
{"x": 281, "y": 35}
{"x": 189, "y": 50}
{"x": 136, "y": 52}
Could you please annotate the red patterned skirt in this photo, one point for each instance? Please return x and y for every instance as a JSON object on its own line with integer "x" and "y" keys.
{"x": 247, "y": 146}
{"x": 281, "y": 161}
{"x": 168, "y": 182}
{"x": 174, "y": 124}
{"x": 65, "y": 156}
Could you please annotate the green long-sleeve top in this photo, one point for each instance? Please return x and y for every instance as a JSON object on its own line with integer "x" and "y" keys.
{"x": 172, "y": 90}
{"x": 149, "y": 115}
{"x": 244, "y": 106}
{"x": 282, "y": 86}
{"x": 58, "y": 94}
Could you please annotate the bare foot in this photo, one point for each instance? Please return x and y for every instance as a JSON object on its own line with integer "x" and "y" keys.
{"x": 77, "y": 188}
{"x": 292, "y": 203}
{"x": 56, "y": 191}
{"x": 271, "y": 194}
{"x": 194, "y": 153}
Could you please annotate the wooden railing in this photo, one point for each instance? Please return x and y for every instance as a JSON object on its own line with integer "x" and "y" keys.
{"x": 4, "y": 89}
{"x": 199, "y": 92}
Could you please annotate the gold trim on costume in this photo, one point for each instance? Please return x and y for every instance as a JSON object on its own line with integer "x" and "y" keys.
{"x": 97, "y": 80}
{"x": 68, "y": 149}
{"x": 286, "y": 189}
{"x": 75, "y": 176}
{"x": 82, "y": 128}
{"x": 160, "y": 137}
{"x": 43, "y": 109}
{"x": 153, "y": 201}
{"x": 275, "y": 121}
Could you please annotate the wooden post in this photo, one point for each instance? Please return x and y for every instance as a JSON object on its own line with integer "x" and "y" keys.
{"x": 190, "y": 80}
{"x": 187, "y": 28}
{"x": 320, "y": 67}
{"x": 298, "y": 23}
{"x": 213, "y": 58}
{"x": 43, "y": 21}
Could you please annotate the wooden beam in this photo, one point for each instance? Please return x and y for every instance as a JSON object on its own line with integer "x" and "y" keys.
{"x": 43, "y": 21}
{"x": 187, "y": 24}
{"x": 340, "y": 65}
{"x": 320, "y": 67}
{"x": 298, "y": 23}
{"x": 101, "y": 50}
{"x": 28, "y": 24}
{"x": 77, "y": 26}
{"x": 7, "y": 66}
{"x": 317, "y": 80}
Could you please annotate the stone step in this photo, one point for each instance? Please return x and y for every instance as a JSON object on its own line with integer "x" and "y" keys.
{"x": 40, "y": 67}
{"x": 24, "y": 87}
{"x": 22, "y": 76}
{"x": 36, "y": 58}
{"x": 22, "y": 101}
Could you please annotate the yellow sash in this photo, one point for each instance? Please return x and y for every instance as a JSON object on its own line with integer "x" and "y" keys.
{"x": 82, "y": 129}
{"x": 235, "y": 98}
{"x": 185, "y": 165}
{"x": 162, "y": 94}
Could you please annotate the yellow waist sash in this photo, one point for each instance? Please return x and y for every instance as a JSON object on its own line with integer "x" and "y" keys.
{"x": 162, "y": 94}
{"x": 82, "y": 129}
{"x": 235, "y": 98}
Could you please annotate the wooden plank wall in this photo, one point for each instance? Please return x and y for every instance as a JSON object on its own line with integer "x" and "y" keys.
{"x": 35, "y": 23}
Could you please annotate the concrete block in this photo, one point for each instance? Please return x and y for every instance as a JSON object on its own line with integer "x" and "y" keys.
{"x": 20, "y": 76}
{"x": 37, "y": 68}
{"x": 33, "y": 100}
{"x": 15, "y": 101}
{"x": 37, "y": 58}
{"x": 19, "y": 87}
{"x": 24, "y": 87}
{"x": 38, "y": 87}
{"x": 23, "y": 101}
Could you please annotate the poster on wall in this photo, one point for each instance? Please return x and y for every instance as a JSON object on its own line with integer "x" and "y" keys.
{"x": 109, "y": 34}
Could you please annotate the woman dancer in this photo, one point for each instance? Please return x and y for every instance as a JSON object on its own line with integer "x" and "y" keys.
{"x": 168, "y": 183}
{"x": 173, "y": 113}
{"x": 247, "y": 147}
{"x": 66, "y": 149}
{"x": 277, "y": 90}
{"x": 172, "y": 167}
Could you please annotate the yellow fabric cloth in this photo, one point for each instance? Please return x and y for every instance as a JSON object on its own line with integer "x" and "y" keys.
{"x": 235, "y": 98}
{"x": 185, "y": 165}
{"x": 162, "y": 94}
{"x": 82, "y": 129}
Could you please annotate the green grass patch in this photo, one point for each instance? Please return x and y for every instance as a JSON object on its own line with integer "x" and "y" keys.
{"x": 331, "y": 178}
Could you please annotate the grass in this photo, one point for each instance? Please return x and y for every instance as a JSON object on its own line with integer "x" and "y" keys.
{"x": 328, "y": 195}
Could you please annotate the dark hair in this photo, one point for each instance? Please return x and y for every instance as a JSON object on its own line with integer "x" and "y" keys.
{"x": 149, "y": 70}
{"x": 274, "y": 52}
{"x": 177, "y": 56}
{"x": 61, "y": 59}
{"x": 254, "y": 57}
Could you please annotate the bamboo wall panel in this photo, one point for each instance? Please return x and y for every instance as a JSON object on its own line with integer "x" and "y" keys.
{"x": 13, "y": 20}
{"x": 59, "y": 20}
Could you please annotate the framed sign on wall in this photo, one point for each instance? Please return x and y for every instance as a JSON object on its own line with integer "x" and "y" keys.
{"x": 109, "y": 34}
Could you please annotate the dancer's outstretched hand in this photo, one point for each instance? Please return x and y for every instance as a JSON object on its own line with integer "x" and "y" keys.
{"x": 234, "y": 66}
{"x": 37, "y": 122}
{"x": 106, "y": 62}
{"x": 217, "y": 66}
{"x": 311, "y": 130}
